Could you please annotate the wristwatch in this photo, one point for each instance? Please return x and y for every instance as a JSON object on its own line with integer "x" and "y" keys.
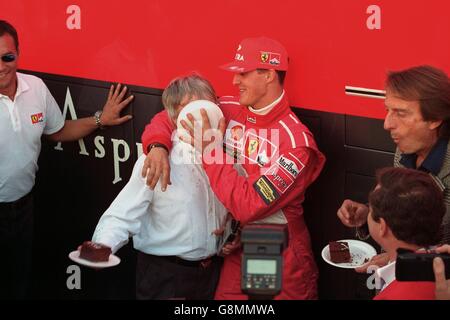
{"x": 97, "y": 116}
{"x": 157, "y": 145}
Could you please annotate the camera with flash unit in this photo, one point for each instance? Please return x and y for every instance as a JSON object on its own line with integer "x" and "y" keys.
{"x": 262, "y": 259}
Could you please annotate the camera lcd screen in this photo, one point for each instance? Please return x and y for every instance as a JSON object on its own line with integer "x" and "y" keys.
{"x": 261, "y": 266}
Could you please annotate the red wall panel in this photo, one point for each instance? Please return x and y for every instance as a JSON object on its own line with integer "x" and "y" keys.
{"x": 149, "y": 42}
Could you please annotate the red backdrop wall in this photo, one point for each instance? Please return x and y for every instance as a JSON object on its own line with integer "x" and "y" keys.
{"x": 149, "y": 42}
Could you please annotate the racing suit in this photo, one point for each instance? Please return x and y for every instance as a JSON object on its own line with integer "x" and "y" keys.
{"x": 276, "y": 160}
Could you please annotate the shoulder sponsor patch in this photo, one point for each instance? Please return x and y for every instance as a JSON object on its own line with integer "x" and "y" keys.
{"x": 279, "y": 178}
{"x": 37, "y": 117}
{"x": 266, "y": 190}
{"x": 291, "y": 164}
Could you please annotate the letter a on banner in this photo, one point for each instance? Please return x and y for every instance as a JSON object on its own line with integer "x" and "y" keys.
{"x": 374, "y": 20}
{"x": 74, "y": 20}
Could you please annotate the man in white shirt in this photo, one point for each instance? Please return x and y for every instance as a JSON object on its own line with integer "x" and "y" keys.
{"x": 173, "y": 231}
{"x": 28, "y": 111}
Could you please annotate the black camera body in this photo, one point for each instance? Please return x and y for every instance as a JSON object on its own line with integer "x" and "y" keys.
{"x": 229, "y": 234}
{"x": 413, "y": 266}
{"x": 262, "y": 259}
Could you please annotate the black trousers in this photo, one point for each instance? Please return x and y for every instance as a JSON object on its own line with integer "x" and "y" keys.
{"x": 16, "y": 238}
{"x": 160, "y": 278}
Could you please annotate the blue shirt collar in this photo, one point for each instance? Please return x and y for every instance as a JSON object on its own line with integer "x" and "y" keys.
{"x": 432, "y": 163}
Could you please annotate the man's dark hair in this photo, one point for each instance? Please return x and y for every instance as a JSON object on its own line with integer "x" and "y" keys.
{"x": 7, "y": 28}
{"x": 411, "y": 204}
{"x": 281, "y": 75}
{"x": 430, "y": 87}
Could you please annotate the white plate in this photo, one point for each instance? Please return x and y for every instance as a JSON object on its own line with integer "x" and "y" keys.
{"x": 213, "y": 111}
{"x": 359, "y": 251}
{"x": 113, "y": 261}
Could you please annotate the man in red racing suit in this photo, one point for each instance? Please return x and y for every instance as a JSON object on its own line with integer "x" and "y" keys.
{"x": 276, "y": 159}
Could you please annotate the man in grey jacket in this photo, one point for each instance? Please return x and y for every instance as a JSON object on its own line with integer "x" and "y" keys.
{"x": 418, "y": 112}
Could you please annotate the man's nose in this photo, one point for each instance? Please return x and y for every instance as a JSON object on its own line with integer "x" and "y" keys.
{"x": 236, "y": 79}
{"x": 388, "y": 123}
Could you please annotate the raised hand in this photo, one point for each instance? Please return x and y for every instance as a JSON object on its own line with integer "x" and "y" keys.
{"x": 353, "y": 214}
{"x": 114, "y": 105}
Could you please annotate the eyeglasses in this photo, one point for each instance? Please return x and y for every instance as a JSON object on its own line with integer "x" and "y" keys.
{"x": 10, "y": 57}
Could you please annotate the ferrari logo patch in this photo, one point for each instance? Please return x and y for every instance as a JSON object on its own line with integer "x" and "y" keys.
{"x": 264, "y": 57}
{"x": 36, "y": 118}
{"x": 252, "y": 146}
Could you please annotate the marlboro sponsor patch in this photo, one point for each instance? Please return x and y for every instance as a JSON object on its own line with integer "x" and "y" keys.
{"x": 266, "y": 190}
{"x": 291, "y": 166}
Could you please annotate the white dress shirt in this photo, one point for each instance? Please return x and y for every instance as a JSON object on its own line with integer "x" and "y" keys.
{"x": 177, "y": 222}
{"x": 33, "y": 112}
{"x": 386, "y": 274}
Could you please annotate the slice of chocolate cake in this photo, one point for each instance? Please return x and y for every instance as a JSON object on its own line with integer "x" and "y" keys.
{"x": 339, "y": 252}
{"x": 94, "y": 252}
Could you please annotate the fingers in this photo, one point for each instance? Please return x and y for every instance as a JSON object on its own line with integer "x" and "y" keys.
{"x": 122, "y": 93}
{"x": 165, "y": 176}
{"x": 344, "y": 218}
{"x": 352, "y": 214}
{"x": 205, "y": 119}
{"x": 218, "y": 232}
{"x": 187, "y": 140}
{"x": 116, "y": 91}
{"x": 439, "y": 271}
{"x": 186, "y": 127}
{"x": 110, "y": 93}
{"x": 439, "y": 274}
{"x": 150, "y": 173}
{"x": 443, "y": 249}
{"x": 145, "y": 167}
{"x": 222, "y": 126}
{"x": 125, "y": 102}
{"x": 122, "y": 119}
{"x": 347, "y": 209}
{"x": 117, "y": 94}
{"x": 114, "y": 105}
{"x": 379, "y": 260}
{"x": 363, "y": 268}
{"x": 228, "y": 248}
{"x": 156, "y": 166}
{"x": 155, "y": 177}
{"x": 191, "y": 119}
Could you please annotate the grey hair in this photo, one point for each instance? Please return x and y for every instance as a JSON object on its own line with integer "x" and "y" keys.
{"x": 190, "y": 86}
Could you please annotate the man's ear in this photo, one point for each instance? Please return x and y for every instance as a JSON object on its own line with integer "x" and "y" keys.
{"x": 384, "y": 229}
{"x": 434, "y": 124}
{"x": 270, "y": 75}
